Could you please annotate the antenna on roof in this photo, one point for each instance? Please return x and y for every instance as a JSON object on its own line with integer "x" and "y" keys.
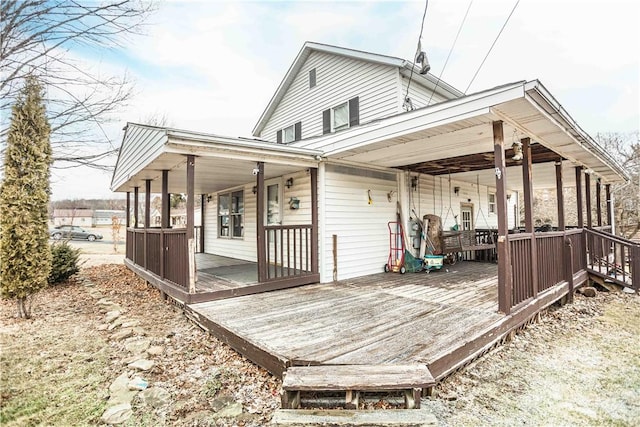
{"x": 421, "y": 58}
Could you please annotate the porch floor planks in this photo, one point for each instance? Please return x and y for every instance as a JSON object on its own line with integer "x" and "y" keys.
{"x": 382, "y": 318}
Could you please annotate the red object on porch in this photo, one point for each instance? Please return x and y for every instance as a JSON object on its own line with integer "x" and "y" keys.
{"x": 395, "y": 262}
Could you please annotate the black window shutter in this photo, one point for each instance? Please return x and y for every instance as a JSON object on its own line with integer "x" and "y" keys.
{"x": 354, "y": 111}
{"x": 312, "y": 78}
{"x": 279, "y": 137}
{"x": 297, "y": 131}
{"x": 326, "y": 121}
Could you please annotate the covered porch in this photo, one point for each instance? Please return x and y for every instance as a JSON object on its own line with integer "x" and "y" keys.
{"x": 254, "y": 255}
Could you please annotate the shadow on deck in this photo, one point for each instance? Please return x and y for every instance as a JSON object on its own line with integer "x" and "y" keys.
{"x": 440, "y": 319}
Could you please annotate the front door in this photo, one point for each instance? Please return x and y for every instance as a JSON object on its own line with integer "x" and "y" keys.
{"x": 466, "y": 216}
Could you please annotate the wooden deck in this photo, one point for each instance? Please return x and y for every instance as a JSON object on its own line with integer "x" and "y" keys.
{"x": 378, "y": 319}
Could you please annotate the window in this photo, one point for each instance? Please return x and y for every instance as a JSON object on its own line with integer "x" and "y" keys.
{"x": 492, "y": 203}
{"x": 312, "y": 78}
{"x": 273, "y": 204}
{"x": 289, "y": 134}
{"x": 230, "y": 214}
{"x": 341, "y": 116}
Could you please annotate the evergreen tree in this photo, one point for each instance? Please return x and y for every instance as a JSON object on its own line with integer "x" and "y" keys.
{"x": 25, "y": 257}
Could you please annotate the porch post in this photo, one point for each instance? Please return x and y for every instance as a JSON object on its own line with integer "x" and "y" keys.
{"x": 598, "y": 203}
{"x": 314, "y": 220}
{"x": 260, "y": 240}
{"x": 202, "y": 203}
{"x": 128, "y": 214}
{"x": 165, "y": 199}
{"x": 147, "y": 203}
{"x": 560, "y": 195}
{"x": 191, "y": 256}
{"x": 136, "y": 223}
{"x": 147, "y": 218}
{"x": 579, "y": 196}
{"x": 528, "y": 210}
{"x": 504, "y": 259}
{"x": 607, "y": 193}
{"x": 587, "y": 196}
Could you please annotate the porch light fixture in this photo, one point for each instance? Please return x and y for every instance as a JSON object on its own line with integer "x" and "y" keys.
{"x": 414, "y": 183}
{"x": 289, "y": 183}
{"x": 254, "y": 190}
{"x": 517, "y": 151}
{"x": 209, "y": 197}
{"x": 456, "y": 190}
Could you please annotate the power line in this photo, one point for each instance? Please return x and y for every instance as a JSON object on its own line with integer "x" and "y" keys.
{"x": 450, "y": 51}
{"x": 492, "y": 45}
{"x": 406, "y": 95}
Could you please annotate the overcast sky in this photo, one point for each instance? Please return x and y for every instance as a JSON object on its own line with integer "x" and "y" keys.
{"x": 213, "y": 66}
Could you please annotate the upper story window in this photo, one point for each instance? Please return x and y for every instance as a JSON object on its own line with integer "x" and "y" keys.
{"x": 312, "y": 78}
{"x": 492, "y": 203}
{"x": 342, "y": 116}
{"x": 289, "y": 134}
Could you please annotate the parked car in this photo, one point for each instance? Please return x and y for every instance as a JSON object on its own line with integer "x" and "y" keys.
{"x": 73, "y": 232}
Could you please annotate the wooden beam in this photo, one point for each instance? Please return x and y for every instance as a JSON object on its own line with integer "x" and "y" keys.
{"x": 598, "y": 203}
{"x": 527, "y": 180}
{"x": 261, "y": 249}
{"x": 504, "y": 261}
{"x": 314, "y": 219}
{"x": 203, "y": 200}
{"x": 587, "y": 196}
{"x": 136, "y": 208}
{"x": 607, "y": 189}
{"x": 579, "y": 196}
{"x": 191, "y": 162}
{"x": 560, "y": 196}
{"x": 128, "y": 210}
{"x": 166, "y": 200}
{"x": 147, "y": 203}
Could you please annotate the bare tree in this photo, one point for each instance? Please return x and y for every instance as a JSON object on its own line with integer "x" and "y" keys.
{"x": 625, "y": 148}
{"x": 43, "y": 38}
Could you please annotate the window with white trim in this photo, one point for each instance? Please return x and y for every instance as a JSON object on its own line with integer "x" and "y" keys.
{"x": 492, "y": 203}
{"x": 340, "y": 117}
{"x": 288, "y": 134}
{"x": 274, "y": 207}
{"x": 231, "y": 214}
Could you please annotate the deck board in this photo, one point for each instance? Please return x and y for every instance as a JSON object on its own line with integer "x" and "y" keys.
{"x": 377, "y": 319}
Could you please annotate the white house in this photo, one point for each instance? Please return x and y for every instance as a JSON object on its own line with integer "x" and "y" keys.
{"x": 347, "y": 137}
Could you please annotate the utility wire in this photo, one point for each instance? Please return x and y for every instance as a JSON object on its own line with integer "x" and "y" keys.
{"x": 492, "y": 45}
{"x": 413, "y": 64}
{"x": 450, "y": 51}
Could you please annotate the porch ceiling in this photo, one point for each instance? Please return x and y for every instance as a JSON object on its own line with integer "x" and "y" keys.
{"x": 456, "y": 137}
{"x": 211, "y": 173}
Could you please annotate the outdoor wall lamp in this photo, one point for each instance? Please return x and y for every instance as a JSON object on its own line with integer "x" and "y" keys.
{"x": 209, "y": 198}
{"x": 456, "y": 190}
{"x": 517, "y": 151}
{"x": 289, "y": 183}
{"x": 254, "y": 190}
{"x": 414, "y": 183}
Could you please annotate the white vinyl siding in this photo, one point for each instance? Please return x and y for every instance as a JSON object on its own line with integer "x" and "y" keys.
{"x": 246, "y": 248}
{"x": 140, "y": 146}
{"x": 434, "y": 196}
{"x": 361, "y": 228}
{"x": 338, "y": 79}
{"x": 419, "y": 94}
{"x": 240, "y": 248}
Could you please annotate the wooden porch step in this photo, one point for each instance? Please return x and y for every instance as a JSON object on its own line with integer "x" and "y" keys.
{"x": 353, "y": 379}
{"x": 369, "y": 418}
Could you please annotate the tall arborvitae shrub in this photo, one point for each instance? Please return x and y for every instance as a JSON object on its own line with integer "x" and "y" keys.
{"x": 25, "y": 256}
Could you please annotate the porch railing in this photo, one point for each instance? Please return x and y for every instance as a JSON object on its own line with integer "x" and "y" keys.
{"x": 613, "y": 258}
{"x": 553, "y": 258}
{"x": 160, "y": 251}
{"x": 288, "y": 251}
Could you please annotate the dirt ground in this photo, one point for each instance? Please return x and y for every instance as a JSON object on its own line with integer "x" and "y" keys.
{"x": 580, "y": 365}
